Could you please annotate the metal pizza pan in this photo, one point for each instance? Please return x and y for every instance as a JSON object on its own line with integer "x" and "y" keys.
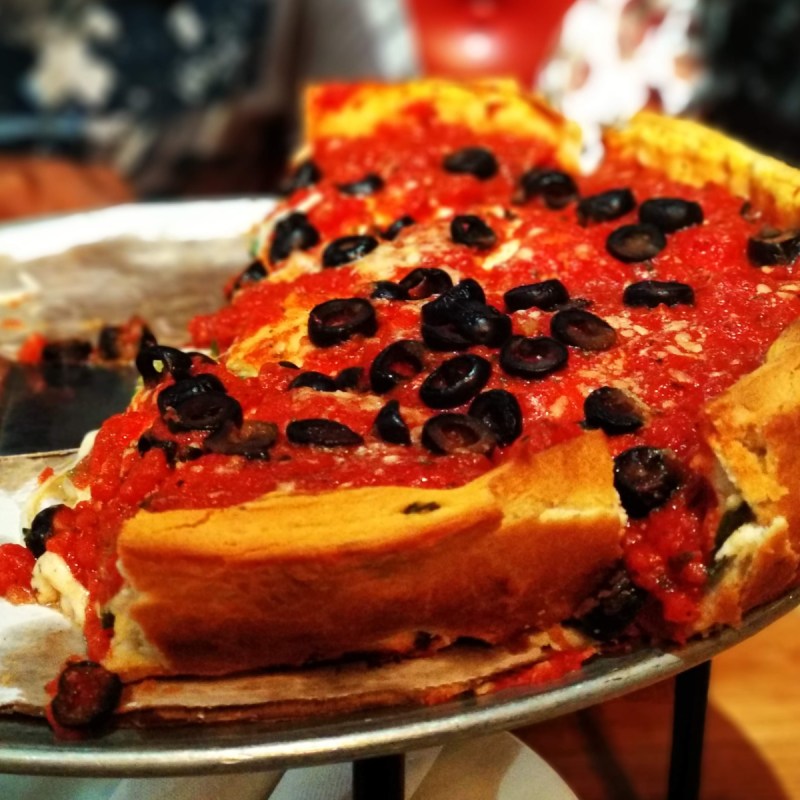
{"x": 28, "y": 746}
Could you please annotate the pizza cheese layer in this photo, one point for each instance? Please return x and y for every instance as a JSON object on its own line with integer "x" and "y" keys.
{"x": 439, "y": 298}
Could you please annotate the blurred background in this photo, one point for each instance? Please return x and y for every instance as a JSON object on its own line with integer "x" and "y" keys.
{"x": 104, "y": 101}
{"x": 107, "y": 100}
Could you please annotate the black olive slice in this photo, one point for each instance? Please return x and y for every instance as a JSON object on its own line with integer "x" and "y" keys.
{"x": 482, "y": 324}
{"x": 532, "y": 356}
{"x": 86, "y": 695}
{"x": 605, "y": 206}
{"x": 613, "y": 411}
{"x": 546, "y": 295}
{"x": 397, "y": 363}
{"x": 443, "y": 338}
{"x": 444, "y": 308}
{"x": 500, "y": 411}
{"x": 252, "y": 440}
{"x": 390, "y": 426}
{"x": 389, "y": 290}
{"x": 352, "y": 379}
{"x": 773, "y": 248}
{"x": 555, "y": 188}
{"x": 154, "y": 363}
{"x": 580, "y": 328}
{"x": 455, "y": 381}
{"x": 293, "y": 232}
{"x": 670, "y": 214}
{"x": 457, "y": 433}
{"x": 288, "y": 364}
{"x": 634, "y": 243}
{"x": 41, "y": 529}
{"x": 654, "y": 293}
{"x": 314, "y": 380}
{"x": 208, "y": 411}
{"x": 393, "y": 231}
{"x": 347, "y": 249}
{"x": 425, "y": 281}
{"x": 147, "y": 338}
{"x": 645, "y": 478}
{"x": 369, "y": 184}
{"x": 336, "y": 321}
{"x": 472, "y": 231}
{"x": 187, "y": 387}
{"x": 617, "y": 604}
{"x": 253, "y": 273}
{"x": 305, "y": 174}
{"x": 322, "y": 433}
{"x": 182, "y": 409}
{"x": 477, "y": 161}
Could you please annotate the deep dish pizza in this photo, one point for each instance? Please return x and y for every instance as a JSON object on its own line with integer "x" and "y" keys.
{"x": 462, "y": 393}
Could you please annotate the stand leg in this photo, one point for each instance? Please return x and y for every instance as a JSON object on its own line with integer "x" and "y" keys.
{"x": 380, "y": 778}
{"x": 688, "y": 727}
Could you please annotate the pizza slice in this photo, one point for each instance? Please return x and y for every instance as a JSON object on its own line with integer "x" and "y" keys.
{"x": 464, "y": 393}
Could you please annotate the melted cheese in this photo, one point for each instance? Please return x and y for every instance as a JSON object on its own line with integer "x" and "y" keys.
{"x": 287, "y": 340}
{"x": 55, "y": 585}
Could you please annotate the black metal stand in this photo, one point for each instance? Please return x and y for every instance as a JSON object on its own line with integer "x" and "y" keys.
{"x": 381, "y": 778}
{"x": 688, "y": 729}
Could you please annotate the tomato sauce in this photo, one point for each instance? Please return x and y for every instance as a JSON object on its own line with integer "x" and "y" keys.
{"x": 672, "y": 358}
{"x": 16, "y": 566}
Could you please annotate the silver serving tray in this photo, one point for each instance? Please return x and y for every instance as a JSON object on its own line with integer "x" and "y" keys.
{"x": 28, "y": 746}
{"x": 67, "y": 275}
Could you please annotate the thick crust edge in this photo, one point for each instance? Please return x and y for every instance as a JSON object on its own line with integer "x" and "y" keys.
{"x": 752, "y": 430}
{"x": 485, "y": 106}
{"x": 695, "y": 154}
{"x": 516, "y": 549}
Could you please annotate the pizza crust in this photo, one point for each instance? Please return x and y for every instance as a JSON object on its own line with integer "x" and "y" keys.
{"x": 278, "y": 582}
{"x": 752, "y": 430}
{"x": 694, "y": 154}
{"x": 484, "y": 106}
{"x": 343, "y": 688}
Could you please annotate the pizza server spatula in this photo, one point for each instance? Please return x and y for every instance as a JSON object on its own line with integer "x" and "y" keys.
{"x": 45, "y": 408}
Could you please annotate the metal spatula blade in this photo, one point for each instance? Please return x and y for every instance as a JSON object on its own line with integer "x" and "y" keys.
{"x": 44, "y": 409}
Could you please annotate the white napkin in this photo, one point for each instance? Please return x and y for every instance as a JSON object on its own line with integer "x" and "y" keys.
{"x": 496, "y": 767}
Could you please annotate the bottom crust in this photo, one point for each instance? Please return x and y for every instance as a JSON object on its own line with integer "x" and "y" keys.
{"x": 343, "y": 688}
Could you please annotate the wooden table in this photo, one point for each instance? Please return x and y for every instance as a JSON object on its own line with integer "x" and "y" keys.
{"x": 620, "y": 749}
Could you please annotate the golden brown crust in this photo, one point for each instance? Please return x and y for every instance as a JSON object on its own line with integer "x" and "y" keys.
{"x": 752, "y": 429}
{"x": 694, "y": 154}
{"x": 487, "y": 106}
{"x": 276, "y": 582}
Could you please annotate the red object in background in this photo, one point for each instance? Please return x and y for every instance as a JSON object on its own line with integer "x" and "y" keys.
{"x": 478, "y": 38}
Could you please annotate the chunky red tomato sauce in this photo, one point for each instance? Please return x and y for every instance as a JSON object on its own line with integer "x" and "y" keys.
{"x": 672, "y": 358}
{"x": 16, "y": 566}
